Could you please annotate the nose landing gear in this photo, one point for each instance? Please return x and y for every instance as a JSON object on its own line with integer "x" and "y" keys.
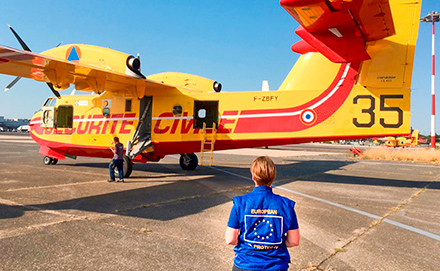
{"x": 49, "y": 161}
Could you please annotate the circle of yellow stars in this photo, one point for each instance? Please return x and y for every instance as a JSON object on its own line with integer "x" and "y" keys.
{"x": 258, "y": 223}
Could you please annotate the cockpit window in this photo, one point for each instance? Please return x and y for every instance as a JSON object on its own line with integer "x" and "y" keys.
{"x": 49, "y": 102}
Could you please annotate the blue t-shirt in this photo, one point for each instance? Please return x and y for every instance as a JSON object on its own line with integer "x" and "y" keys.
{"x": 119, "y": 151}
{"x": 263, "y": 219}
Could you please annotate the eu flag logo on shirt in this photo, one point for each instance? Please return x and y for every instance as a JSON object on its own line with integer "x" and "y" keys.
{"x": 262, "y": 229}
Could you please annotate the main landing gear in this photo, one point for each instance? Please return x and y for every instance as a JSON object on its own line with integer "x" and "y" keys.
{"x": 188, "y": 161}
{"x": 127, "y": 167}
{"x": 49, "y": 161}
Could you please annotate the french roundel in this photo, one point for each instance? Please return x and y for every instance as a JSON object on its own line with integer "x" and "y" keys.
{"x": 308, "y": 116}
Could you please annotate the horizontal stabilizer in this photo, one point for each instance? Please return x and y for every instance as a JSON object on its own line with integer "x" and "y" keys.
{"x": 346, "y": 49}
{"x": 339, "y": 29}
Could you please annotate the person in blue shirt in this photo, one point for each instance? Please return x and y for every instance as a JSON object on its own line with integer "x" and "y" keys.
{"x": 117, "y": 161}
{"x": 262, "y": 225}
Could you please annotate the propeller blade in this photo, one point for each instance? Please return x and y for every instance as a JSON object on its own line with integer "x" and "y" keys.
{"x": 12, "y": 83}
{"x": 25, "y": 47}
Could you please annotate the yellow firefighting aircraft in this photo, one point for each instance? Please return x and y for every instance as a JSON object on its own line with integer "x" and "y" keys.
{"x": 402, "y": 141}
{"x": 351, "y": 81}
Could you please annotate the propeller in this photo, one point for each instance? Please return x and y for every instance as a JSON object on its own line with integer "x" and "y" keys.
{"x": 26, "y": 48}
{"x": 12, "y": 83}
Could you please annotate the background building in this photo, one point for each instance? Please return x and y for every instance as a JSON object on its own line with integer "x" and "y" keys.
{"x": 12, "y": 124}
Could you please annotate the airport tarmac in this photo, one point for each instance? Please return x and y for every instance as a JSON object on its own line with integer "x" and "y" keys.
{"x": 353, "y": 214}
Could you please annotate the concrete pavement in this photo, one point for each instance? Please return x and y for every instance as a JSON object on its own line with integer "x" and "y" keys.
{"x": 353, "y": 214}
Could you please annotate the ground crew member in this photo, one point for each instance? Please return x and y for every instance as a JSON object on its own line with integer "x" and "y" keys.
{"x": 262, "y": 224}
{"x": 117, "y": 161}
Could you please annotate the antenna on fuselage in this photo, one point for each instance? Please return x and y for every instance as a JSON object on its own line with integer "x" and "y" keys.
{"x": 265, "y": 85}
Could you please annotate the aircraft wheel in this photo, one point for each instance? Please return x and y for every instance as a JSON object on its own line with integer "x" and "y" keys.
{"x": 127, "y": 167}
{"x": 54, "y": 161}
{"x": 188, "y": 161}
{"x": 47, "y": 160}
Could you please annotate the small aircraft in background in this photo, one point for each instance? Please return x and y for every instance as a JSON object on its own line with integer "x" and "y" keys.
{"x": 351, "y": 81}
{"x": 23, "y": 128}
{"x": 402, "y": 141}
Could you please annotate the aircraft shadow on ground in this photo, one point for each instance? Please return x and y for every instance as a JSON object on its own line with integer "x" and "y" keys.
{"x": 183, "y": 198}
{"x": 150, "y": 167}
{"x": 88, "y": 165}
{"x": 7, "y": 211}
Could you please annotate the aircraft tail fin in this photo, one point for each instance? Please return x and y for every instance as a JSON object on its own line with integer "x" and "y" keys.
{"x": 415, "y": 134}
{"x": 369, "y": 44}
{"x": 392, "y": 58}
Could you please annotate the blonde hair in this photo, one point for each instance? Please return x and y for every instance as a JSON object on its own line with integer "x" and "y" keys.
{"x": 263, "y": 171}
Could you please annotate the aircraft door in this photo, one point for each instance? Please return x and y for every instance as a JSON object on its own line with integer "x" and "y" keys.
{"x": 205, "y": 112}
{"x": 142, "y": 135}
{"x": 146, "y": 112}
{"x": 64, "y": 116}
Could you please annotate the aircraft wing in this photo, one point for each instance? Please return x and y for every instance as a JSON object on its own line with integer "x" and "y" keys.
{"x": 61, "y": 73}
{"x": 339, "y": 29}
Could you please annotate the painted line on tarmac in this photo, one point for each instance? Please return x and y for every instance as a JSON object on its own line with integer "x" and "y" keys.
{"x": 18, "y": 141}
{"x": 51, "y": 186}
{"x": 389, "y": 221}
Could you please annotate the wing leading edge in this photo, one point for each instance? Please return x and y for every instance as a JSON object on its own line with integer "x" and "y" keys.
{"x": 61, "y": 73}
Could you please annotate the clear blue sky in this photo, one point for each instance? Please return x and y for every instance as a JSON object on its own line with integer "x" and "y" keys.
{"x": 238, "y": 43}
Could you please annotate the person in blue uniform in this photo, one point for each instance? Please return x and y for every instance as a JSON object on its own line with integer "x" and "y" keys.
{"x": 262, "y": 225}
{"x": 117, "y": 161}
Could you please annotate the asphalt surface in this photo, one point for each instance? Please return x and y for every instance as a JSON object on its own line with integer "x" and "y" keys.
{"x": 353, "y": 214}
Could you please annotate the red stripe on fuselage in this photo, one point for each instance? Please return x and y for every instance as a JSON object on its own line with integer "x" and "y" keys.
{"x": 277, "y": 124}
{"x": 75, "y": 149}
{"x": 90, "y": 124}
{"x": 165, "y": 148}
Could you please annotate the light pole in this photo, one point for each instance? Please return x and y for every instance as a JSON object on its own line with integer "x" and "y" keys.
{"x": 432, "y": 17}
